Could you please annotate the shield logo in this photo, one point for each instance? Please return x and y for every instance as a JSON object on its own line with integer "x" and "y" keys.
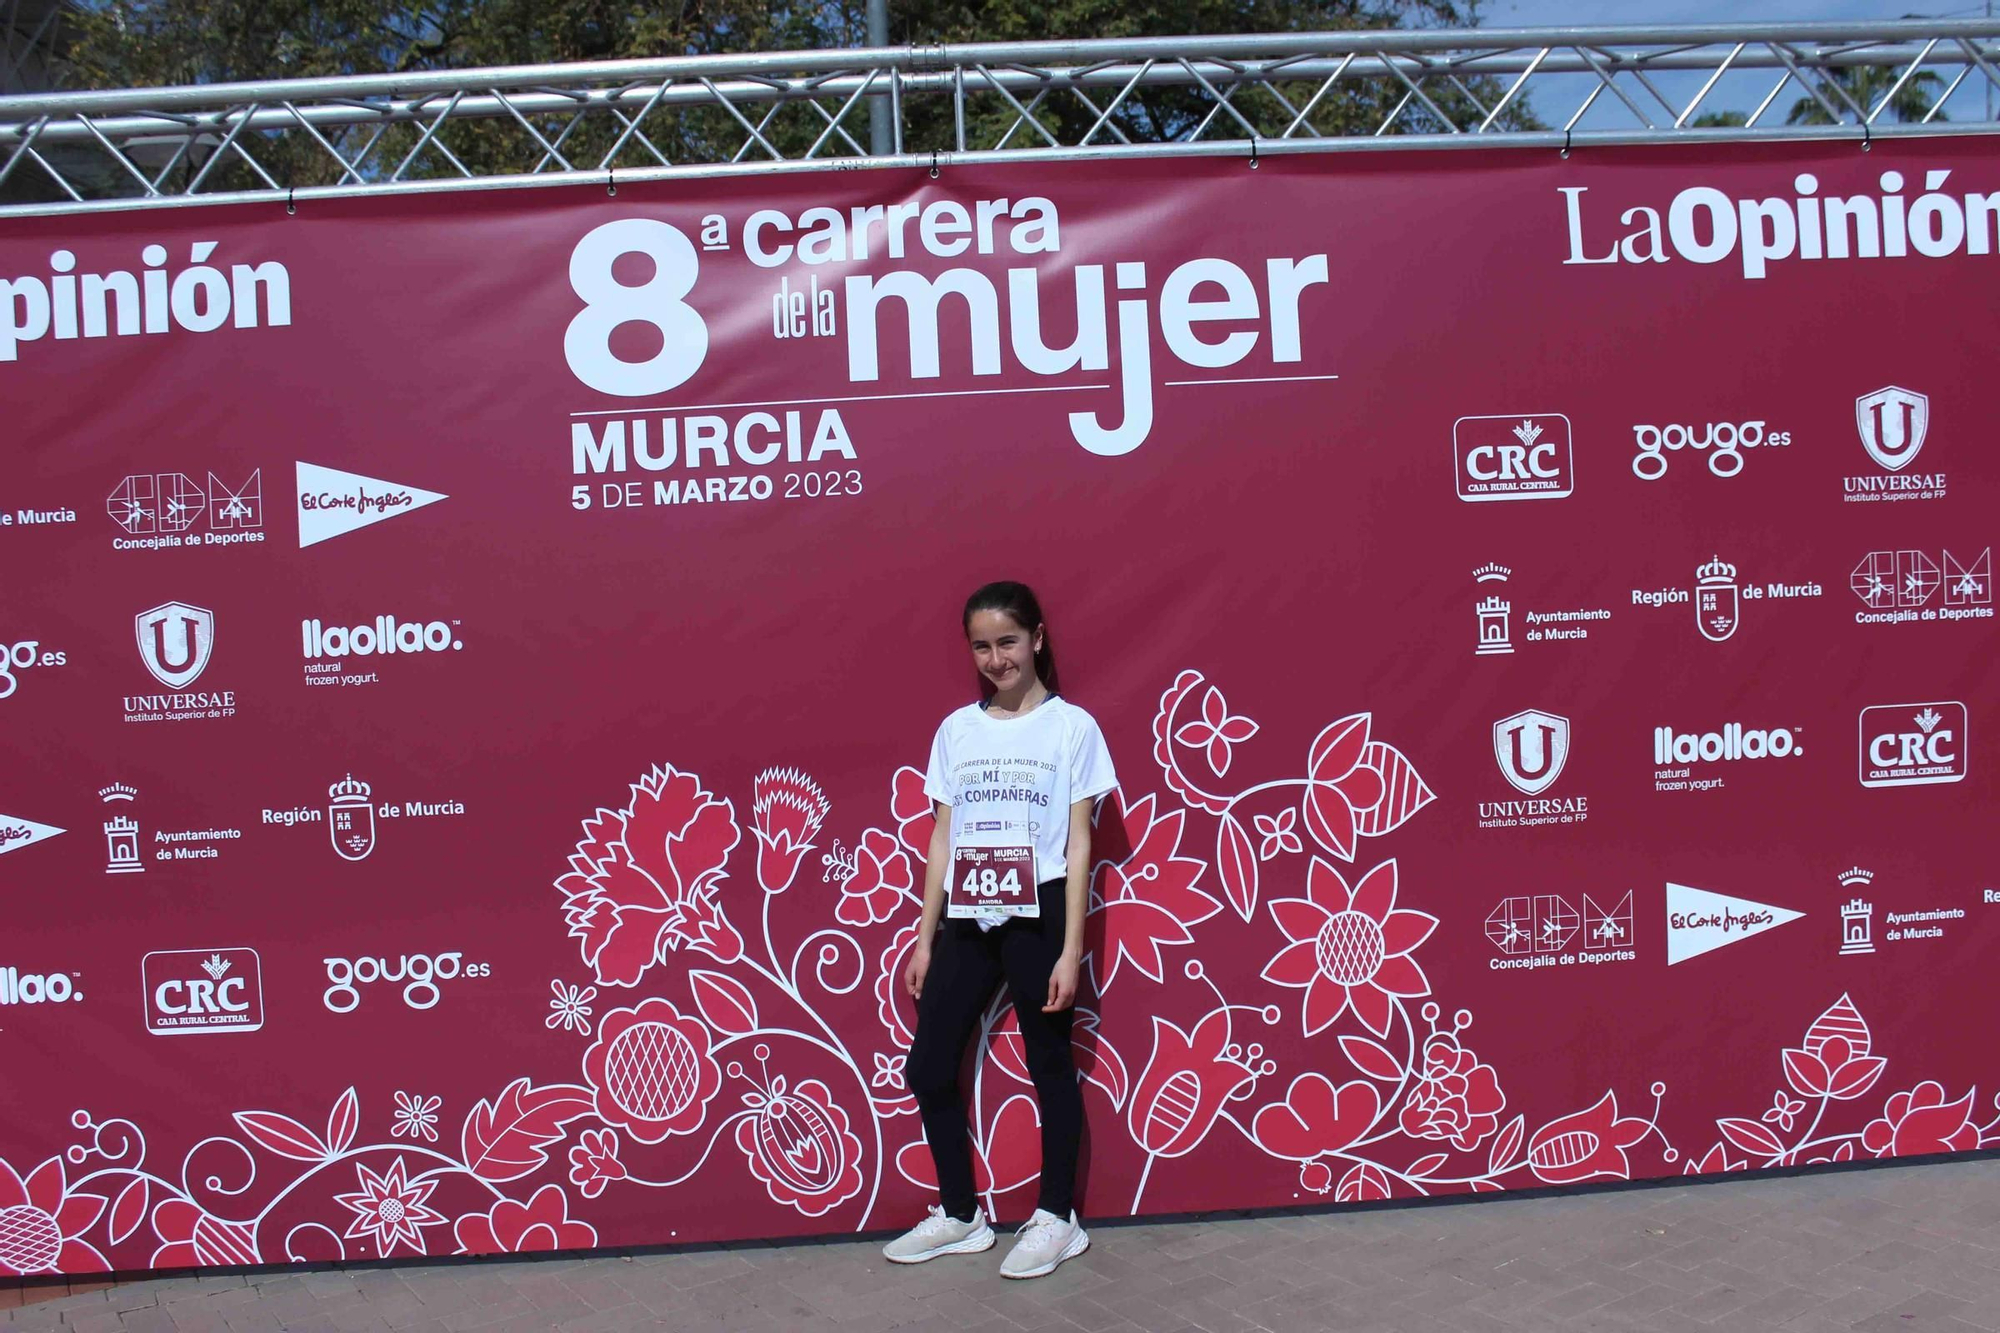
{"x": 353, "y": 830}
{"x": 1716, "y": 613}
{"x": 351, "y": 819}
{"x": 175, "y": 642}
{"x": 1530, "y": 748}
{"x": 1892, "y": 423}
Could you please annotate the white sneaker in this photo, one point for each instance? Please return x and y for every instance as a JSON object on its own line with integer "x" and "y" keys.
{"x": 939, "y": 1235}
{"x": 1045, "y": 1241}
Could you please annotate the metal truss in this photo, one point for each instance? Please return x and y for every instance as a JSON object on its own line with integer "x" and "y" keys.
{"x": 1043, "y": 101}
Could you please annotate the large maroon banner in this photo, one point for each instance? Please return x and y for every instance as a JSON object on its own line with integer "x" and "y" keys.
{"x": 466, "y": 658}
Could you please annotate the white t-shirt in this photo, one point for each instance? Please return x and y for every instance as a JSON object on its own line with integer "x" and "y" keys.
{"x": 1019, "y": 775}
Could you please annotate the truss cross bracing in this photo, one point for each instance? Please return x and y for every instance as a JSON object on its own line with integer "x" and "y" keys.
{"x": 1041, "y": 101}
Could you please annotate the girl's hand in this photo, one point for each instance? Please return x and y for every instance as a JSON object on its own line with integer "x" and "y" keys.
{"x": 920, "y": 966}
{"x": 1062, "y": 984}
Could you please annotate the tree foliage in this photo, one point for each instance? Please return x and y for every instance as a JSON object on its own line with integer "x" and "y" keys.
{"x": 139, "y": 43}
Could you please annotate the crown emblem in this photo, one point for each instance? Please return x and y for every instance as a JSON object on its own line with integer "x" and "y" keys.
{"x": 1490, "y": 572}
{"x": 1527, "y": 432}
{"x": 349, "y": 792}
{"x": 215, "y": 965}
{"x": 1850, "y": 878}
{"x": 117, "y": 791}
{"x": 1717, "y": 570}
{"x": 1928, "y": 720}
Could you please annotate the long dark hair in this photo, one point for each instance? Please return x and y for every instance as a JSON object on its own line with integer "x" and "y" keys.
{"x": 1016, "y": 601}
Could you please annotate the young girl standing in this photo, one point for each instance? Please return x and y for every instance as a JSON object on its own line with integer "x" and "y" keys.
{"x": 1013, "y": 779}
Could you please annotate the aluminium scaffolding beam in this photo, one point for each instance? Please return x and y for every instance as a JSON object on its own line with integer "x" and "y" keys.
{"x": 1265, "y": 94}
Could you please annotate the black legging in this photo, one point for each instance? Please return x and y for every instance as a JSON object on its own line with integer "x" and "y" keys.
{"x": 966, "y": 964}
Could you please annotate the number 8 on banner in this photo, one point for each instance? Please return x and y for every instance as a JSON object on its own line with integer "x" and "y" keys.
{"x": 658, "y": 301}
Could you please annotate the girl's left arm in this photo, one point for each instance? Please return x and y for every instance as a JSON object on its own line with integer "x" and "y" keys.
{"x": 1076, "y": 899}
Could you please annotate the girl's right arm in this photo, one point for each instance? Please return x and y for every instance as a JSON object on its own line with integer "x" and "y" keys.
{"x": 935, "y": 866}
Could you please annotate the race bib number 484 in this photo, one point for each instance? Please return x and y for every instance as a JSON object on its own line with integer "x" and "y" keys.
{"x": 987, "y": 881}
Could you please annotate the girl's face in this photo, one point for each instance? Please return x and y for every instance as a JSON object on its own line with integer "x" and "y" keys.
{"x": 1003, "y": 651}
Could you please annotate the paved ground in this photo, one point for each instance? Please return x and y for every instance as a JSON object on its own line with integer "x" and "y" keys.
{"x": 1912, "y": 1248}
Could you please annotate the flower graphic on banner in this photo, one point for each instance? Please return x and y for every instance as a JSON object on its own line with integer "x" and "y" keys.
{"x": 786, "y": 810}
{"x": 190, "y": 1237}
{"x": 593, "y": 1162}
{"x": 571, "y": 1007}
{"x": 1586, "y": 1145}
{"x": 652, "y": 1071}
{"x": 911, "y": 808}
{"x": 1835, "y": 1060}
{"x": 389, "y": 1208}
{"x": 1187, "y": 1081}
{"x": 1275, "y": 834}
{"x": 42, "y": 1223}
{"x": 1349, "y": 948}
{"x": 1921, "y": 1121}
{"x": 1148, "y": 901}
{"x": 893, "y": 1004}
{"x": 416, "y": 1116}
{"x": 1316, "y": 1118}
{"x": 881, "y": 882}
{"x": 798, "y": 1143}
{"x": 1456, "y": 1098}
{"x": 1216, "y": 731}
{"x": 643, "y": 880}
{"x": 1714, "y": 1162}
{"x": 542, "y": 1223}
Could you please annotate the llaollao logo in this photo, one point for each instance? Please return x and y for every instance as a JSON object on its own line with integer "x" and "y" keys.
{"x": 608, "y": 304}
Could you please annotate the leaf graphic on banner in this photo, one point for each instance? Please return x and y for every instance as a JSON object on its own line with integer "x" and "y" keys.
{"x": 283, "y": 1135}
{"x": 1751, "y": 1137}
{"x": 1856, "y": 1076}
{"x": 1806, "y": 1072}
{"x": 724, "y": 1001}
{"x": 1362, "y": 1184}
{"x": 1371, "y": 1059}
{"x": 129, "y": 1210}
{"x": 1236, "y": 862}
{"x": 1014, "y": 1144}
{"x": 1423, "y": 1166}
{"x": 1506, "y": 1146}
{"x": 1403, "y": 792}
{"x": 1098, "y": 1060}
{"x": 505, "y": 1139}
{"x": 341, "y": 1122}
{"x": 1487, "y": 1187}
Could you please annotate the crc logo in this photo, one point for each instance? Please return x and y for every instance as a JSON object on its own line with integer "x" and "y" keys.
{"x": 1530, "y": 748}
{"x": 175, "y": 642}
{"x": 1892, "y": 423}
{"x": 18, "y": 987}
{"x": 1513, "y": 457}
{"x": 419, "y": 973}
{"x": 1913, "y": 745}
{"x": 1727, "y": 439}
{"x": 609, "y": 304}
{"x": 19, "y": 657}
{"x": 155, "y": 502}
{"x": 202, "y": 990}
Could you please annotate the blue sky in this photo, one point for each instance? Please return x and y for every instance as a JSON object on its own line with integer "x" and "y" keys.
{"x": 1555, "y": 98}
{"x": 1541, "y": 13}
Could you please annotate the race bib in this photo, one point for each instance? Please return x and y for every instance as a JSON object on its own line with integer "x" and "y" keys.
{"x": 992, "y": 880}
